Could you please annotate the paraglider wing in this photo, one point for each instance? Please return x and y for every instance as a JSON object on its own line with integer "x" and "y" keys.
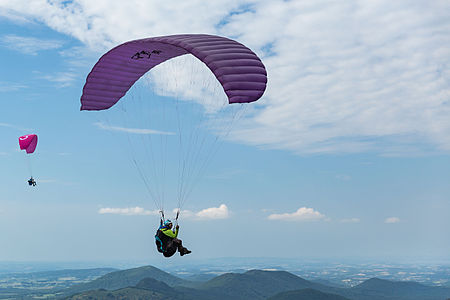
{"x": 28, "y": 143}
{"x": 240, "y": 72}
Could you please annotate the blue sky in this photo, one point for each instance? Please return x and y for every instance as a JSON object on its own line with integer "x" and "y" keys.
{"x": 346, "y": 154}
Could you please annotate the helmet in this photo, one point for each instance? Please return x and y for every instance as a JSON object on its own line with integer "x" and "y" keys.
{"x": 167, "y": 222}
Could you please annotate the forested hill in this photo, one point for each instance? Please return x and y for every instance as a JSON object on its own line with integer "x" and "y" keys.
{"x": 126, "y": 278}
{"x": 306, "y": 294}
{"x": 152, "y": 283}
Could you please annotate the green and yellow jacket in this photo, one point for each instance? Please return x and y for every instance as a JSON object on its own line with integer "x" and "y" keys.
{"x": 169, "y": 232}
{"x": 163, "y": 236}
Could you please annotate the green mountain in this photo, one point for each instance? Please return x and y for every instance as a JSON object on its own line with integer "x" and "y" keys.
{"x": 122, "y": 294}
{"x": 125, "y": 278}
{"x": 156, "y": 286}
{"x": 385, "y": 289}
{"x": 253, "y": 284}
{"x": 256, "y": 284}
{"x": 326, "y": 282}
{"x": 306, "y": 294}
{"x": 199, "y": 277}
{"x": 152, "y": 283}
{"x": 147, "y": 288}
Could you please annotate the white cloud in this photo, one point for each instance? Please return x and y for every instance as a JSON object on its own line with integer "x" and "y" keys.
{"x": 11, "y": 87}
{"x": 14, "y": 127}
{"x": 188, "y": 214}
{"x": 29, "y": 45}
{"x": 220, "y": 212}
{"x": 392, "y": 220}
{"x": 39, "y": 180}
{"x": 340, "y": 81}
{"x": 16, "y": 17}
{"x": 351, "y": 220}
{"x": 131, "y": 130}
{"x": 227, "y": 174}
{"x": 79, "y": 57}
{"x": 129, "y": 211}
{"x": 355, "y": 87}
{"x": 302, "y": 214}
{"x": 62, "y": 79}
{"x": 211, "y": 213}
{"x": 343, "y": 177}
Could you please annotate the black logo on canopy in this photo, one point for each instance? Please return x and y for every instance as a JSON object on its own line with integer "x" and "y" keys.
{"x": 145, "y": 54}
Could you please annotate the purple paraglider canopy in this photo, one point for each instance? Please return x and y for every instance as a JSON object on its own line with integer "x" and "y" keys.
{"x": 240, "y": 72}
{"x": 28, "y": 142}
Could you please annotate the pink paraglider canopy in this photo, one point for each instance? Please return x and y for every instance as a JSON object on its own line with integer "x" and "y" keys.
{"x": 28, "y": 142}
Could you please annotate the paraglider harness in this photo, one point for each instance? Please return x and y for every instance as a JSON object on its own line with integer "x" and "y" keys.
{"x": 161, "y": 240}
{"x": 31, "y": 182}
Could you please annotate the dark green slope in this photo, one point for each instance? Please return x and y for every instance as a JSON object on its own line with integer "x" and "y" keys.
{"x": 199, "y": 277}
{"x": 122, "y": 294}
{"x": 255, "y": 284}
{"x": 376, "y": 288}
{"x": 329, "y": 283}
{"x": 152, "y": 283}
{"x": 125, "y": 278}
{"x": 147, "y": 288}
{"x": 155, "y": 285}
{"x": 306, "y": 294}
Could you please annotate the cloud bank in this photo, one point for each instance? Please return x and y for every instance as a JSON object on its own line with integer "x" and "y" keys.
{"x": 392, "y": 220}
{"x": 128, "y": 211}
{"x": 11, "y": 86}
{"x": 344, "y": 77}
{"x": 351, "y": 220}
{"x": 302, "y": 214}
{"x": 29, "y": 45}
{"x": 131, "y": 130}
{"x": 220, "y": 212}
{"x": 211, "y": 213}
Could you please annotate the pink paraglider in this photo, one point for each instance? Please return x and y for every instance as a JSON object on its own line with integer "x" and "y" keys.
{"x": 28, "y": 142}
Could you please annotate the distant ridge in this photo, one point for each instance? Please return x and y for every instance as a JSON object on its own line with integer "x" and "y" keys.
{"x": 125, "y": 293}
{"x": 306, "y": 294}
{"x": 147, "y": 288}
{"x": 256, "y": 284}
{"x": 376, "y": 287}
{"x": 125, "y": 278}
{"x": 377, "y": 283}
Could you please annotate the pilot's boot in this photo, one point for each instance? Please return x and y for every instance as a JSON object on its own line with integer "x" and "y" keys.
{"x": 184, "y": 251}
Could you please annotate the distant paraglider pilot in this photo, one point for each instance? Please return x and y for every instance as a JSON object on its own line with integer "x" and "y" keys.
{"x": 28, "y": 143}
{"x": 31, "y": 182}
{"x": 166, "y": 240}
